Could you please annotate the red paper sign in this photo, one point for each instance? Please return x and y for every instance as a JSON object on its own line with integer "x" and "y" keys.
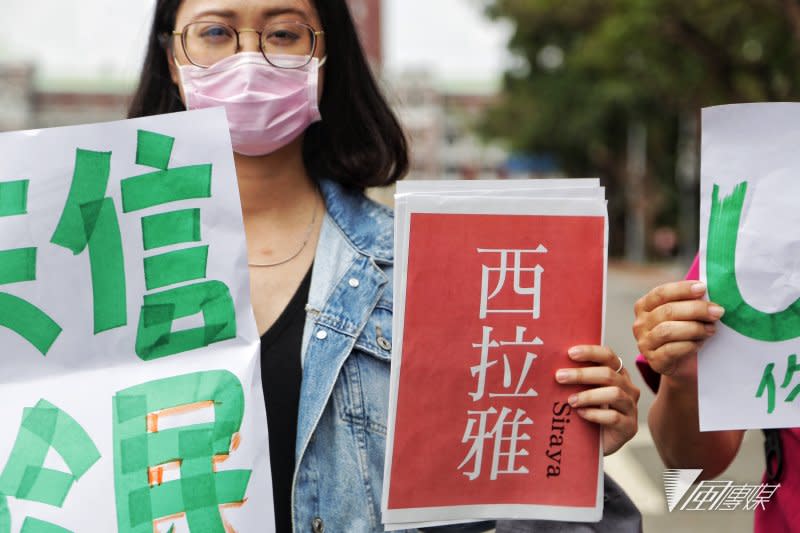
{"x": 493, "y": 303}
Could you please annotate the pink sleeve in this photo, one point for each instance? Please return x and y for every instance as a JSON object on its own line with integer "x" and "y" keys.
{"x": 651, "y": 377}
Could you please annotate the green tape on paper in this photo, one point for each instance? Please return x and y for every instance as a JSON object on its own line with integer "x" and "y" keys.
{"x": 5, "y": 515}
{"x": 153, "y": 149}
{"x": 90, "y": 219}
{"x": 200, "y": 490}
{"x": 29, "y": 322}
{"x": 107, "y": 264}
{"x": 17, "y": 265}
{"x": 13, "y": 198}
{"x": 723, "y": 287}
{"x": 165, "y": 186}
{"x": 44, "y": 485}
{"x": 89, "y": 182}
{"x": 155, "y": 338}
{"x": 175, "y": 267}
{"x": 32, "y": 525}
{"x": 45, "y": 426}
{"x": 197, "y": 495}
{"x": 174, "y": 227}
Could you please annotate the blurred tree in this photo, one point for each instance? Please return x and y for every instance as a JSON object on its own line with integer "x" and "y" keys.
{"x": 614, "y": 87}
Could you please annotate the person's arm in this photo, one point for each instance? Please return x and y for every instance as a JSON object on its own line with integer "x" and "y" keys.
{"x": 675, "y": 426}
{"x": 672, "y": 322}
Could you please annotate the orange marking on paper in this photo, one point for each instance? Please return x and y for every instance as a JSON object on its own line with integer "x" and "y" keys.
{"x": 155, "y": 474}
{"x": 171, "y": 518}
{"x": 235, "y": 505}
{"x": 183, "y": 409}
{"x": 152, "y": 423}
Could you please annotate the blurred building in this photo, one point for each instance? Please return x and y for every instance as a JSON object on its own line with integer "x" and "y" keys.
{"x": 441, "y": 120}
{"x": 26, "y": 104}
{"x": 368, "y": 18}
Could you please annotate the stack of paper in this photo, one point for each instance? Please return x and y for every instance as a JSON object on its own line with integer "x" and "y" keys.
{"x": 494, "y": 282}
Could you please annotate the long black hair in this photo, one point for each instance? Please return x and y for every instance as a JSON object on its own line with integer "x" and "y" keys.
{"x": 359, "y": 142}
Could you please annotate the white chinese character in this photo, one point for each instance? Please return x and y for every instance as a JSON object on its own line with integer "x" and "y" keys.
{"x": 517, "y": 269}
{"x": 761, "y": 497}
{"x": 738, "y": 495}
{"x": 481, "y": 369}
{"x": 506, "y": 435}
{"x": 707, "y": 495}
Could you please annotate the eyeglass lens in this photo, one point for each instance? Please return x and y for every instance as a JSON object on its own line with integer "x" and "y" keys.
{"x": 285, "y": 44}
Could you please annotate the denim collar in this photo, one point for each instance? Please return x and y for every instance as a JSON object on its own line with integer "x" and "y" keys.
{"x": 361, "y": 221}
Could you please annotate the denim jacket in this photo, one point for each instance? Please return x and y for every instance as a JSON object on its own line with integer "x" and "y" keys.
{"x": 344, "y": 398}
{"x": 346, "y": 353}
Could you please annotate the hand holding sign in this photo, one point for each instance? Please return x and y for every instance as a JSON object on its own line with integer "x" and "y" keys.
{"x": 612, "y": 403}
{"x": 672, "y": 323}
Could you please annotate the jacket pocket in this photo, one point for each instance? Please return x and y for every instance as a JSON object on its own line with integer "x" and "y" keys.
{"x": 362, "y": 392}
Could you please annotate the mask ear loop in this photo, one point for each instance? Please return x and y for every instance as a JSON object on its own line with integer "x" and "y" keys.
{"x": 323, "y": 61}
{"x": 165, "y": 41}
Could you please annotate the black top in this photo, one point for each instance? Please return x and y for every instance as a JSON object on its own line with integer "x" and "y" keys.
{"x": 281, "y": 375}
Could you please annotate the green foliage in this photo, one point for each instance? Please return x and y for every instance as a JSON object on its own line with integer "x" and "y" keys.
{"x": 648, "y": 62}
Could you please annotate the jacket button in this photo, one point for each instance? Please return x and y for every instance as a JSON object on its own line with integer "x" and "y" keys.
{"x": 384, "y": 343}
{"x": 317, "y": 525}
{"x": 354, "y": 283}
{"x": 322, "y": 335}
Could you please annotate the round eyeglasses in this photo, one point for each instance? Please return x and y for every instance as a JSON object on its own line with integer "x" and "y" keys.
{"x": 284, "y": 44}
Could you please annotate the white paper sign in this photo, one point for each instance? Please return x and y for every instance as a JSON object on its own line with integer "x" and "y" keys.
{"x": 748, "y": 373}
{"x": 130, "y": 389}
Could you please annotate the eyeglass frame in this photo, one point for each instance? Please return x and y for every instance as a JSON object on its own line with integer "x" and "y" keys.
{"x": 314, "y": 33}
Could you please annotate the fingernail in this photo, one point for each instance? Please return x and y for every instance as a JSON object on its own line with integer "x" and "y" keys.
{"x": 699, "y": 289}
{"x": 710, "y": 329}
{"x": 716, "y": 311}
{"x": 575, "y": 351}
{"x": 563, "y": 375}
{"x": 573, "y": 400}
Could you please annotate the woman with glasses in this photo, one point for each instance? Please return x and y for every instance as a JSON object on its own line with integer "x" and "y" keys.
{"x": 320, "y": 253}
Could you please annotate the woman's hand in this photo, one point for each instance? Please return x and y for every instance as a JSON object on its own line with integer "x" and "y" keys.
{"x": 672, "y": 322}
{"x": 612, "y": 400}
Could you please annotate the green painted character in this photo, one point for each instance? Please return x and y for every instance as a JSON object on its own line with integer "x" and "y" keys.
{"x": 723, "y": 287}
{"x": 767, "y": 383}
{"x": 142, "y": 448}
{"x": 155, "y": 337}
{"x": 16, "y": 266}
{"x": 24, "y": 477}
{"x": 89, "y": 220}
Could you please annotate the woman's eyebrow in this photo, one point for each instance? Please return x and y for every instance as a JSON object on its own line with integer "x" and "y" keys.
{"x": 222, "y": 13}
{"x": 278, "y": 11}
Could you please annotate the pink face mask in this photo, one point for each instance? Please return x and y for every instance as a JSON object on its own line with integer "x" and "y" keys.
{"x": 267, "y": 107}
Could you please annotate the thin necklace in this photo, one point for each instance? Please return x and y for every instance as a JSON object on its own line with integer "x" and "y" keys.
{"x": 302, "y": 247}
